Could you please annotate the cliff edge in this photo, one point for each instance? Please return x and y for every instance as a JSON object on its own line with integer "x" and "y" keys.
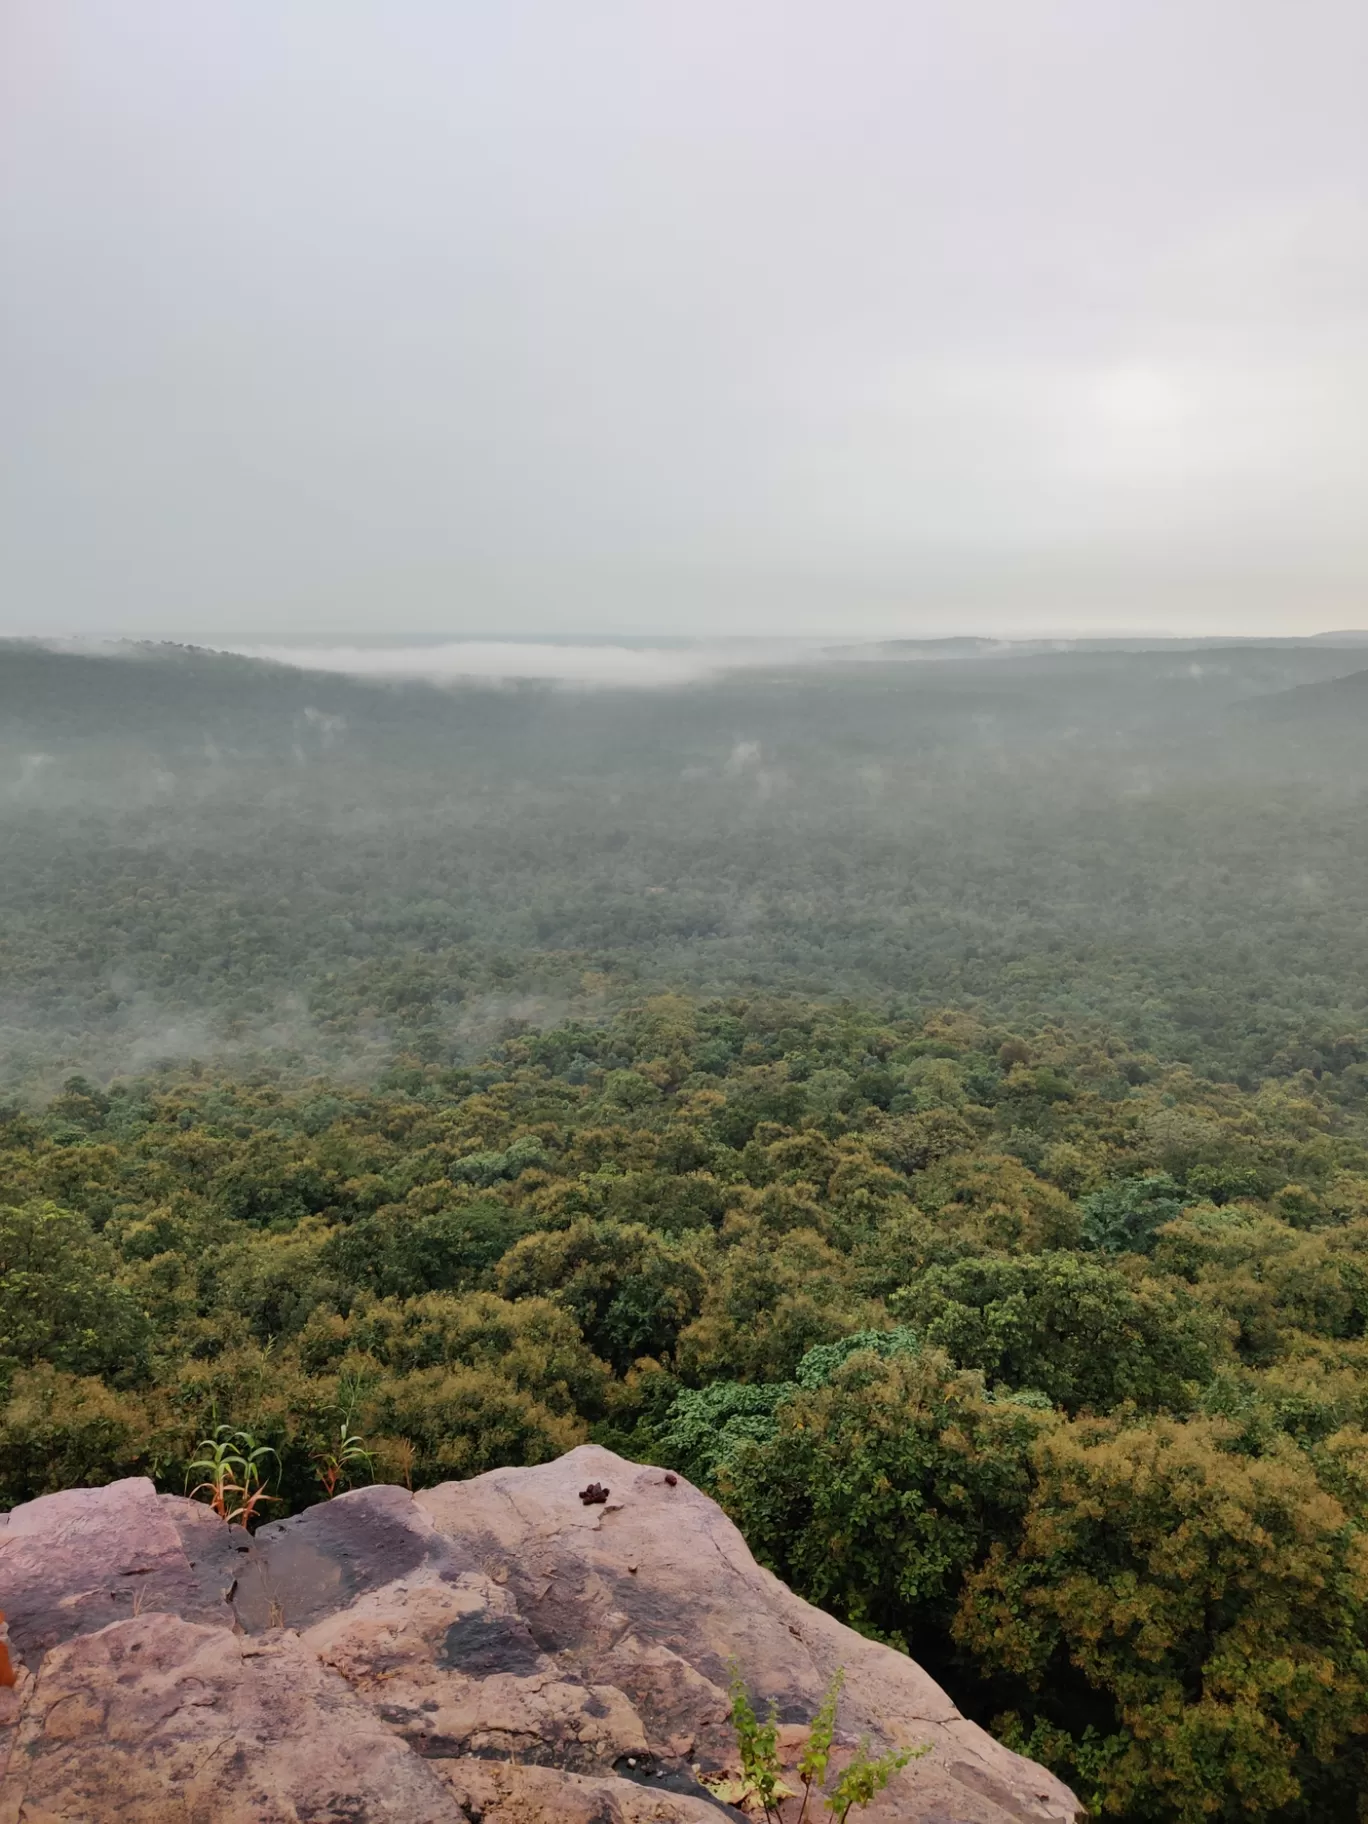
{"x": 497, "y": 1650}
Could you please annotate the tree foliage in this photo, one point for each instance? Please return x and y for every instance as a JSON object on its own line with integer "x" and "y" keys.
{"x": 1027, "y": 1351}
{"x": 1087, "y": 1335}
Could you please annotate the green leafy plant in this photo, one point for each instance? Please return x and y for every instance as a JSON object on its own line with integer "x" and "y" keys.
{"x": 345, "y": 1454}
{"x": 762, "y": 1784}
{"x": 812, "y": 1763}
{"x": 252, "y": 1487}
{"x": 219, "y": 1459}
{"x": 865, "y": 1776}
{"x": 758, "y": 1744}
{"x": 335, "y": 1466}
{"x": 236, "y": 1478}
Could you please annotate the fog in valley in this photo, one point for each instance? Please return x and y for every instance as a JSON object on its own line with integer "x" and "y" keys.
{"x": 216, "y": 856}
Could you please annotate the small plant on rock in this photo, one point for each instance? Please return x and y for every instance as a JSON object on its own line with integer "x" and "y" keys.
{"x": 812, "y": 1763}
{"x": 864, "y": 1776}
{"x": 220, "y": 1459}
{"x": 345, "y": 1453}
{"x": 759, "y": 1747}
{"x": 762, "y": 1787}
{"x": 235, "y": 1482}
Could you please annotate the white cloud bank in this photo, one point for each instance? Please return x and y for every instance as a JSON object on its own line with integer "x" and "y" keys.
{"x": 591, "y": 664}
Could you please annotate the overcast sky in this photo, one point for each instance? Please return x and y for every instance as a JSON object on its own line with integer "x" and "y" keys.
{"x": 415, "y": 318}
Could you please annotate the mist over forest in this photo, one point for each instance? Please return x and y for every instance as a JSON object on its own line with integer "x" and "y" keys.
{"x": 213, "y": 857}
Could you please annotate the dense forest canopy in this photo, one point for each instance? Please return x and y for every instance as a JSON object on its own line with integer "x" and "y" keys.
{"x": 924, "y": 1102}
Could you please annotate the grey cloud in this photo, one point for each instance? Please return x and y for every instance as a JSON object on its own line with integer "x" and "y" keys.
{"x": 433, "y": 320}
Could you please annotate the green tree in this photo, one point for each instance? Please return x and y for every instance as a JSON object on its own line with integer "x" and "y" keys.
{"x": 1079, "y": 1330}
{"x": 705, "y": 1425}
{"x": 60, "y": 1301}
{"x": 1122, "y": 1217}
{"x": 1218, "y": 1601}
{"x": 532, "y": 1342}
{"x": 630, "y": 1291}
{"x": 398, "y": 1252}
{"x": 769, "y": 1300}
{"x": 881, "y": 1489}
{"x": 63, "y": 1431}
{"x": 463, "y": 1421}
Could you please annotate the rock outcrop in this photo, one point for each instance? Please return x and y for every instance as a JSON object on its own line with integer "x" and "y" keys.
{"x": 494, "y": 1650}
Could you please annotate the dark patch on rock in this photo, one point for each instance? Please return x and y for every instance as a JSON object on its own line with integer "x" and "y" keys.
{"x": 434, "y": 1747}
{"x": 481, "y": 1643}
{"x": 669, "y": 1776}
{"x": 563, "y": 1754}
{"x": 308, "y": 1567}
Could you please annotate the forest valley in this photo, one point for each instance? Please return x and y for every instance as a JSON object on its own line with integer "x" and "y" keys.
{"x": 1025, "y": 1351}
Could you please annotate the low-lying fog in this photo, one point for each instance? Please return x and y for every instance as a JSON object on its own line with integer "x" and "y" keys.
{"x": 331, "y": 860}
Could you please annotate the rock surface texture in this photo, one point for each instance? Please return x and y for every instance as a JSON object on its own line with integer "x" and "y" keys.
{"x": 493, "y": 1650}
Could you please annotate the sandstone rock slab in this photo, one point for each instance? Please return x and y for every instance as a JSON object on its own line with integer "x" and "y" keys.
{"x": 72, "y": 1562}
{"x": 159, "y": 1718}
{"x": 494, "y": 1649}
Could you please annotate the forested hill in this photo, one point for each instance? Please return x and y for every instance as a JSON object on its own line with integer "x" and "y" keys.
{"x": 204, "y": 856}
{"x": 1032, "y": 1353}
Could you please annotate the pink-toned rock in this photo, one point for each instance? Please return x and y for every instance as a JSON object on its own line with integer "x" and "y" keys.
{"x": 74, "y": 1561}
{"x": 493, "y": 1649}
{"x": 159, "y": 1718}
